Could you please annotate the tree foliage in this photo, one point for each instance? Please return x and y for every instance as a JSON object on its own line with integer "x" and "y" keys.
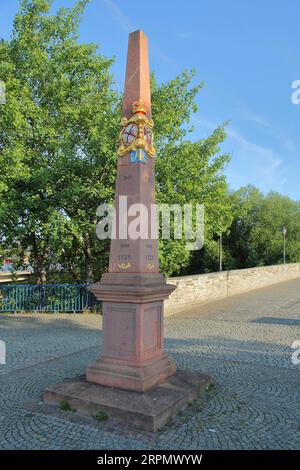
{"x": 57, "y": 140}
{"x": 256, "y": 234}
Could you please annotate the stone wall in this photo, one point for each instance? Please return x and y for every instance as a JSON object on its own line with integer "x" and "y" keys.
{"x": 6, "y": 277}
{"x": 209, "y": 287}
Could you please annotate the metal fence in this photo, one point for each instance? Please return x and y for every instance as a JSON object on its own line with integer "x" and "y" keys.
{"x": 46, "y": 298}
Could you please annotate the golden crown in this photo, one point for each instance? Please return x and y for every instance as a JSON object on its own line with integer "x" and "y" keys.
{"x": 139, "y": 107}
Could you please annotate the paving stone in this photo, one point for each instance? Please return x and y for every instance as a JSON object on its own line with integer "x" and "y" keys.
{"x": 244, "y": 343}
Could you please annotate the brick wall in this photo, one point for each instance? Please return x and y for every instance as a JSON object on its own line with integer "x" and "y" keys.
{"x": 208, "y": 287}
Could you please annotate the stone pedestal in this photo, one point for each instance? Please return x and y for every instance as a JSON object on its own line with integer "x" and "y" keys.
{"x": 132, "y": 352}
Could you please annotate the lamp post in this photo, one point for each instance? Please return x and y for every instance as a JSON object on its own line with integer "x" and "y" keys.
{"x": 220, "y": 252}
{"x": 284, "y": 232}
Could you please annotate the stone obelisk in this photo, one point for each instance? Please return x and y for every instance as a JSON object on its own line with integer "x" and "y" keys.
{"x": 133, "y": 290}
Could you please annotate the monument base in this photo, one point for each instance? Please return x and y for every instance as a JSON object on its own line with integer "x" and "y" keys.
{"x": 114, "y": 373}
{"x": 150, "y": 410}
{"x": 132, "y": 346}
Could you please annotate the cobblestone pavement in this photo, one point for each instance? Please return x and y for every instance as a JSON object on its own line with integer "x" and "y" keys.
{"x": 244, "y": 343}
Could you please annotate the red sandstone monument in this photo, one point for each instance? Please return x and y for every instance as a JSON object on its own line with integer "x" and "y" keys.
{"x": 133, "y": 380}
{"x": 133, "y": 291}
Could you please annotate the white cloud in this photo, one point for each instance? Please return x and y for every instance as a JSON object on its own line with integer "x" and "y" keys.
{"x": 290, "y": 145}
{"x": 263, "y": 167}
{"x": 246, "y": 113}
{"x": 121, "y": 17}
{"x": 127, "y": 25}
{"x": 260, "y": 165}
{"x": 249, "y": 115}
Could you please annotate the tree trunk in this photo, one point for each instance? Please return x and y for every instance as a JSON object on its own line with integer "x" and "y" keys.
{"x": 39, "y": 268}
{"x": 89, "y": 274}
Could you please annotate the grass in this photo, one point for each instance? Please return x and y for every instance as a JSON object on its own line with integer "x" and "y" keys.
{"x": 65, "y": 405}
{"x": 101, "y": 416}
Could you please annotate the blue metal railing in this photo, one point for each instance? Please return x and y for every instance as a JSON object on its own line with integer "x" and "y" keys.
{"x": 46, "y": 298}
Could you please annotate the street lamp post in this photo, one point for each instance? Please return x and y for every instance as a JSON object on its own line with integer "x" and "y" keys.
{"x": 220, "y": 253}
{"x": 284, "y": 232}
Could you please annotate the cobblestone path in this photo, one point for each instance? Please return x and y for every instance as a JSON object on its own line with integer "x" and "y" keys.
{"x": 244, "y": 343}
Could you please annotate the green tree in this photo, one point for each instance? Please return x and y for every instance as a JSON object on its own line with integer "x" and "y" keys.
{"x": 187, "y": 172}
{"x": 276, "y": 212}
{"x": 57, "y": 134}
{"x": 256, "y": 237}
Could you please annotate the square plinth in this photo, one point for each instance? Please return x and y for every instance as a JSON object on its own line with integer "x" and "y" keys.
{"x": 149, "y": 410}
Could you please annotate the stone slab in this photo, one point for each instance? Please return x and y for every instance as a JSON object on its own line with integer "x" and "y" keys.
{"x": 150, "y": 410}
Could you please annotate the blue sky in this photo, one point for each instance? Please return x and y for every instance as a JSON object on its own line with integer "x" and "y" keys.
{"x": 246, "y": 52}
